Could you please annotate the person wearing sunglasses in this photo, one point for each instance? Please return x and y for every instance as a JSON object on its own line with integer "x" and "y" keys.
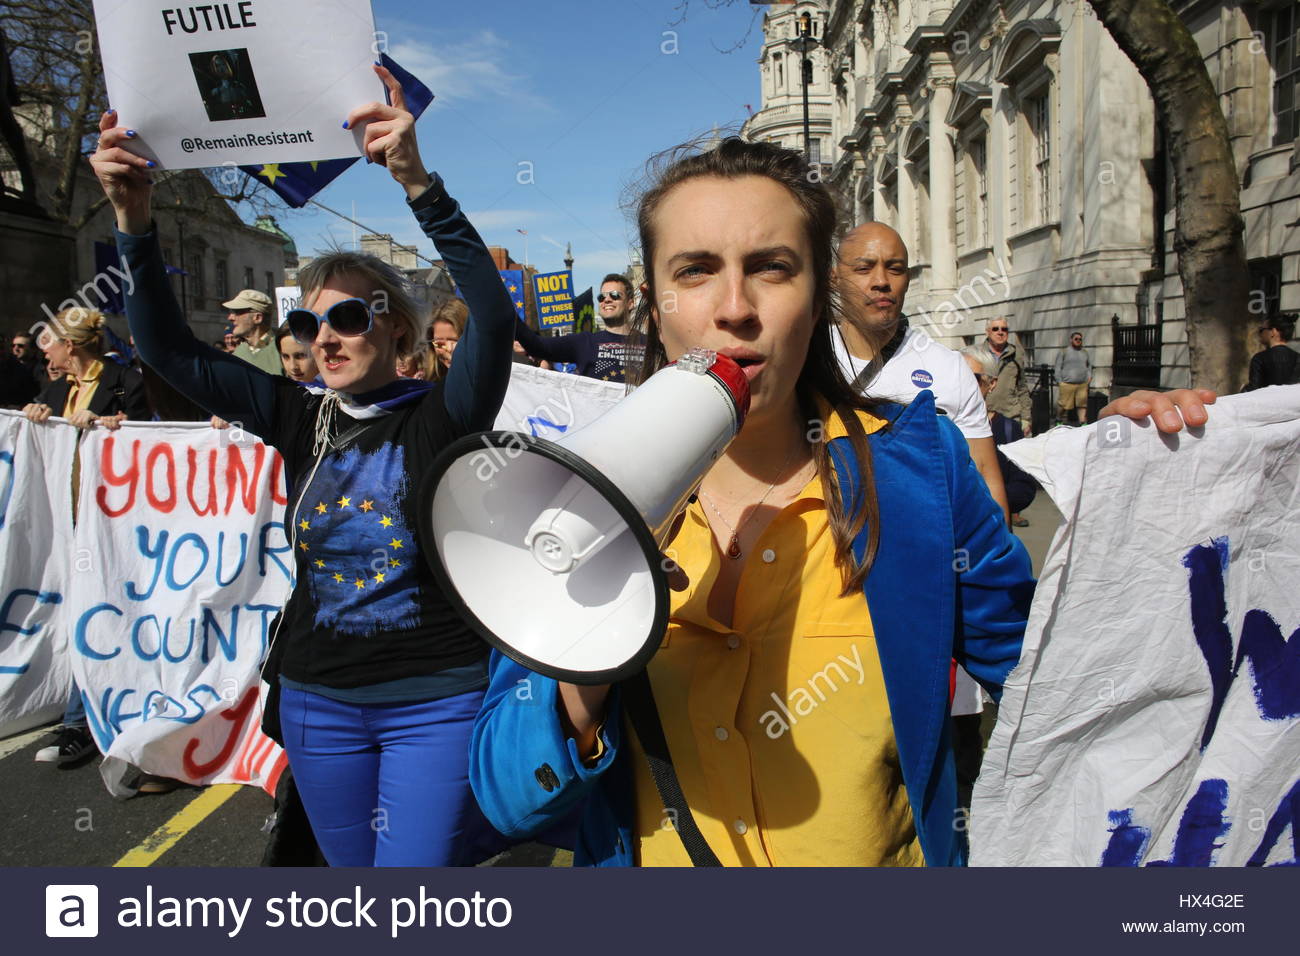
{"x": 1010, "y": 396}
{"x": 378, "y": 680}
{"x": 607, "y": 354}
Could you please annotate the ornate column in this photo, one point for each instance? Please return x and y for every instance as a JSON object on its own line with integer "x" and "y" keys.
{"x": 943, "y": 194}
{"x": 906, "y": 225}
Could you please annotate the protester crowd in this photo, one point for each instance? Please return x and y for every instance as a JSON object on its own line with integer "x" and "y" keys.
{"x": 412, "y": 714}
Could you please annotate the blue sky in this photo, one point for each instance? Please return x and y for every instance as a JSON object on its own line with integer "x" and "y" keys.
{"x": 584, "y": 91}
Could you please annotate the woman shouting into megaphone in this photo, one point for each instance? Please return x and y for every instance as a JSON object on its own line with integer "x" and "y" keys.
{"x": 841, "y": 553}
{"x": 379, "y": 680}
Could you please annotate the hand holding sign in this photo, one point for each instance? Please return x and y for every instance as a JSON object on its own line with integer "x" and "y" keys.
{"x": 390, "y": 136}
{"x": 125, "y": 177}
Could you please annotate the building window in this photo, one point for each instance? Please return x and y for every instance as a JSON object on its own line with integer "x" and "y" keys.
{"x": 1279, "y": 29}
{"x": 249, "y": 282}
{"x": 196, "y": 286}
{"x": 780, "y": 72}
{"x": 1265, "y": 287}
{"x": 270, "y": 285}
{"x": 1038, "y": 115}
{"x": 223, "y": 280}
{"x": 814, "y": 150}
{"x": 979, "y": 219}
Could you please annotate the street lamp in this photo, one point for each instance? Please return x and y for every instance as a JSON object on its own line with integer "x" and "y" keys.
{"x": 805, "y": 43}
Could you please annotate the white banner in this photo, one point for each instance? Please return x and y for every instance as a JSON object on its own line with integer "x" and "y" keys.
{"x": 551, "y": 404}
{"x": 180, "y": 564}
{"x": 35, "y": 548}
{"x": 287, "y": 298}
{"x": 161, "y": 603}
{"x": 1154, "y": 718}
{"x": 241, "y": 82}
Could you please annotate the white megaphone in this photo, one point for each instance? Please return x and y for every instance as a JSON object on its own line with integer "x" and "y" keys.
{"x": 551, "y": 550}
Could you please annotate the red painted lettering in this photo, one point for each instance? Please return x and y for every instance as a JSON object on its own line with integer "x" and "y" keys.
{"x": 237, "y": 716}
{"x": 130, "y": 477}
{"x": 237, "y": 473}
{"x": 165, "y": 505}
{"x": 192, "y": 457}
{"x": 278, "y": 494}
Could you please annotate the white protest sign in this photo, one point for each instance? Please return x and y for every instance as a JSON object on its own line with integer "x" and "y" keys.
{"x": 241, "y": 82}
{"x": 549, "y": 405}
{"x": 35, "y": 551}
{"x": 286, "y": 298}
{"x": 1154, "y": 718}
{"x": 169, "y": 627}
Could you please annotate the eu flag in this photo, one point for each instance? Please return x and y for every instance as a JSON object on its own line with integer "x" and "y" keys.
{"x": 296, "y": 183}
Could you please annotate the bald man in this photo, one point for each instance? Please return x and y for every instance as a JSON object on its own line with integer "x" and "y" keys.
{"x": 871, "y": 275}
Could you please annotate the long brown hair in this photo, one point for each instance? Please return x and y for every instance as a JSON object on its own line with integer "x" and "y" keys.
{"x": 821, "y": 382}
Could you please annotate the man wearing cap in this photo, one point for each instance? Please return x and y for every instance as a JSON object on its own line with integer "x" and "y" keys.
{"x": 250, "y": 316}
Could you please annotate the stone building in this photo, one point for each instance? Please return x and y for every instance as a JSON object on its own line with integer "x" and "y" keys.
{"x": 1014, "y": 146}
{"x": 210, "y": 253}
{"x": 780, "y": 118}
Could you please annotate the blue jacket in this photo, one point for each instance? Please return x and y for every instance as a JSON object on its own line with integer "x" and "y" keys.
{"x": 949, "y": 581}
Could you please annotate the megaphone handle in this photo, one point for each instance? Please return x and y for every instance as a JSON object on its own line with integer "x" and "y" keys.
{"x": 639, "y": 700}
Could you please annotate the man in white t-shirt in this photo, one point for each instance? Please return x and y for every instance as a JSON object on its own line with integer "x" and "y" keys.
{"x": 872, "y": 278}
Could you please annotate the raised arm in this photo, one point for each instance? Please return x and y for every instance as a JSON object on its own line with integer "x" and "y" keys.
{"x": 476, "y": 383}
{"x": 560, "y": 348}
{"x": 220, "y": 383}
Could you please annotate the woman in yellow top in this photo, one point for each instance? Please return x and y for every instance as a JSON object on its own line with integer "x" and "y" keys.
{"x": 93, "y": 388}
{"x": 93, "y": 391}
{"x": 840, "y": 554}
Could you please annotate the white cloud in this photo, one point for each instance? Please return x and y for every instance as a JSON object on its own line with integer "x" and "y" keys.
{"x": 468, "y": 68}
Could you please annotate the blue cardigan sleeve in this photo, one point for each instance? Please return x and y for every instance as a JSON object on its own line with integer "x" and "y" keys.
{"x": 995, "y": 582}
{"x": 476, "y": 384}
{"x": 526, "y": 774}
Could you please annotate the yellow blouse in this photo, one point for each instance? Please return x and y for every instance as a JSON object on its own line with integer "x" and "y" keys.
{"x": 779, "y": 727}
{"x": 82, "y": 390}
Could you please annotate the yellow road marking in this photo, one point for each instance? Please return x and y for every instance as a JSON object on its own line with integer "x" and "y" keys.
{"x": 170, "y": 833}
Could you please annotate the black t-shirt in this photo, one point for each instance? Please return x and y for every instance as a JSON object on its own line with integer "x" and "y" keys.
{"x": 366, "y": 609}
{"x": 604, "y": 355}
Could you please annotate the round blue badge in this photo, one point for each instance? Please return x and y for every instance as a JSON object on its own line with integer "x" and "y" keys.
{"x": 922, "y": 379}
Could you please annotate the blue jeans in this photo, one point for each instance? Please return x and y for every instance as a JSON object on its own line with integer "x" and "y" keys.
{"x": 74, "y": 715}
{"x": 384, "y": 784}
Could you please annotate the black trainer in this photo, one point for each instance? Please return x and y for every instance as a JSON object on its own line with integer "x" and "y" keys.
{"x": 71, "y": 745}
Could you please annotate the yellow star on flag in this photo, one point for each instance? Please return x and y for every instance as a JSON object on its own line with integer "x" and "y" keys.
{"x": 379, "y": 577}
{"x": 519, "y": 305}
{"x": 396, "y": 543}
{"x": 303, "y": 545}
{"x": 271, "y": 172}
{"x": 386, "y": 521}
{"x": 360, "y": 583}
{"x": 344, "y": 502}
{"x": 320, "y": 563}
{"x": 304, "y": 524}
{"x": 394, "y": 563}
{"x": 513, "y": 288}
{"x": 314, "y": 166}
{"x": 367, "y": 505}
{"x": 338, "y": 577}
{"x": 321, "y": 509}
